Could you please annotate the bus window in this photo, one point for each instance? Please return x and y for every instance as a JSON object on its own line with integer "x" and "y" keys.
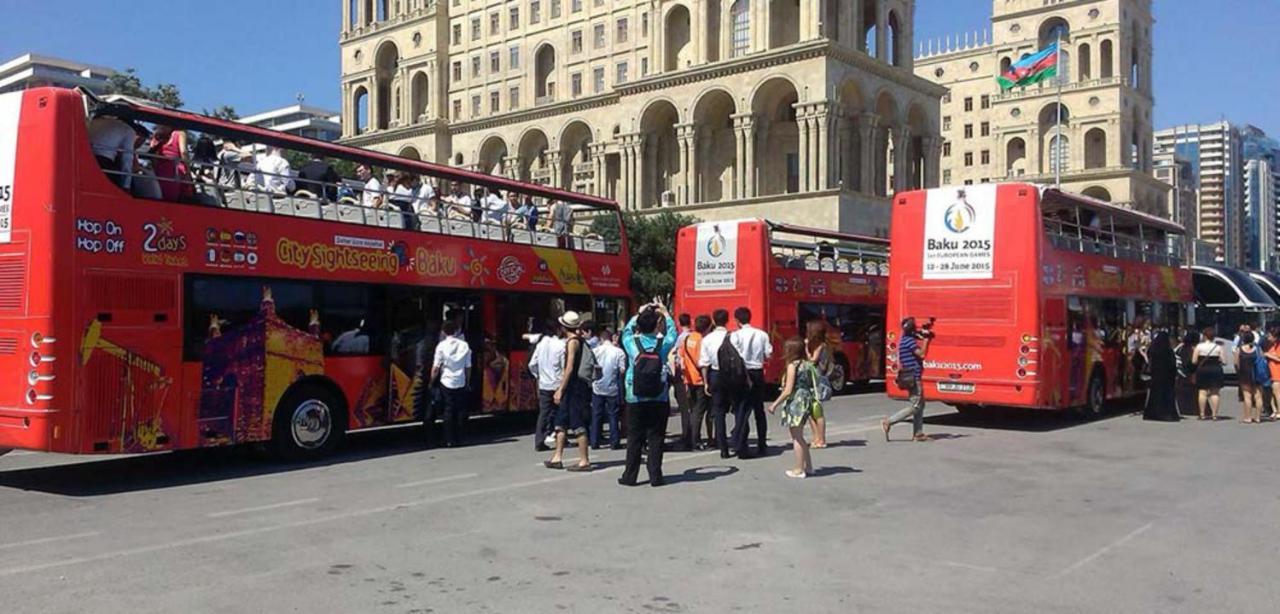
{"x": 351, "y": 319}
{"x": 236, "y": 302}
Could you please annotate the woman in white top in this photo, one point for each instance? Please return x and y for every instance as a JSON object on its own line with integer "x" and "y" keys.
{"x": 1207, "y": 357}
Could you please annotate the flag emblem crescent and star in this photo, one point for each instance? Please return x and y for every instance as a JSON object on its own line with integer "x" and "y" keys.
{"x": 1037, "y": 67}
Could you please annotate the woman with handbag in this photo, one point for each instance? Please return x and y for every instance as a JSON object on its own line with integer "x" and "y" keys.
{"x": 798, "y": 401}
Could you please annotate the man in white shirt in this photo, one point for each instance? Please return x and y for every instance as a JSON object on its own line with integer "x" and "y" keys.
{"x": 709, "y": 361}
{"x": 422, "y": 200}
{"x": 274, "y": 173}
{"x": 371, "y": 198}
{"x": 452, "y": 368}
{"x": 755, "y": 348}
{"x": 606, "y": 400}
{"x": 547, "y": 364}
{"x": 113, "y": 145}
{"x": 496, "y": 208}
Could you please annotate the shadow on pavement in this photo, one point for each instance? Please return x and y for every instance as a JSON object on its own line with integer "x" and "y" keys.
{"x": 700, "y": 474}
{"x": 822, "y": 472}
{"x": 92, "y": 476}
{"x": 1026, "y": 420}
{"x": 847, "y": 443}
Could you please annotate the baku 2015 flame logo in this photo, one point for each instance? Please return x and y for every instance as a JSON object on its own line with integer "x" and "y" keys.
{"x": 959, "y": 217}
{"x": 716, "y": 244}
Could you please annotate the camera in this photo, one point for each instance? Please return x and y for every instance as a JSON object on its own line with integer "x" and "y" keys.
{"x": 925, "y": 331}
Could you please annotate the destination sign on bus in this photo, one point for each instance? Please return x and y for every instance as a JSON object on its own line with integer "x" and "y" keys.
{"x": 959, "y": 233}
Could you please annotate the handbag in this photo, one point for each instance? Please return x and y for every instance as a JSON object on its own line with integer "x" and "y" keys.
{"x": 815, "y": 406}
{"x": 821, "y": 385}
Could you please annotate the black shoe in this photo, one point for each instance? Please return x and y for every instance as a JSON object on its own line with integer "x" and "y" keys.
{"x": 616, "y": 446}
{"x": 622, "y": 482}
{"x": 724, "y": 454}
{"x": 744, "y": 455}
{"x": 656, "y": 483}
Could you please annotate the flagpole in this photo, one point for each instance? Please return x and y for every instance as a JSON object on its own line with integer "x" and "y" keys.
{"x": 1057, "y": 168}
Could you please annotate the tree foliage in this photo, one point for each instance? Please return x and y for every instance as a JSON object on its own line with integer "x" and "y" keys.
{"x": 652, "y": 239}
{"x": 127, "y": 83}
{"x": 226, "y": 112}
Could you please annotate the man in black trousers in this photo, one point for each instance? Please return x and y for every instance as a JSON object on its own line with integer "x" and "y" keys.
{"x": 710, "y": 362}
{"x": 755, "y": 348}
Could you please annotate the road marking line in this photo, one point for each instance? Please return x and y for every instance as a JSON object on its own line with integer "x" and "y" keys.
{"x": 49, "y": 540}
{"x": 262, "y": 508}
{"x": 1105, "y": 549}
{"x": 451, "y": 478}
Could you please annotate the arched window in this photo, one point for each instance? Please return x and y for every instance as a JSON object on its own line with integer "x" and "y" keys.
{"x": 360, "y": 107}
{"x": 1106, "y": 50}
{"x": 1005, "y": 64}
{"x": 1059, "y": 153}
{"x": 1053, "y": 30}
{"x": 1098, "y": 192}
{"x": 1016, "y": 158}
{"x": 1084, "y": 62}
{"x": 678, "y": 39}
{"x": 1095, "y": 148}
{"x": 544, "y": 86}
{"x": 418, "y": 92}
{"x": 895, "y": 42}
{"x": 1135, "y": 73}
{"x": 740, "y": 13}
{"x": 870, "y": 35}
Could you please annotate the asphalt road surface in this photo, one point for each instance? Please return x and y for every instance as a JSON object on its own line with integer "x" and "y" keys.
{"x": 1006, "y": 512}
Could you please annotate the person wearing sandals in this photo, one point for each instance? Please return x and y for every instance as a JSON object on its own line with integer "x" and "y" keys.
{"x": 798, "y": 401}
{"x": 819, "y": 353}
{"x": 1207, "y": 357}
{"x": 572, "y": 398}
{"x": 1248, "y": 359}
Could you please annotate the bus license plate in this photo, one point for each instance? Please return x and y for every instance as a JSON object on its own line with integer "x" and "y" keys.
{"x": 955, "y": 387}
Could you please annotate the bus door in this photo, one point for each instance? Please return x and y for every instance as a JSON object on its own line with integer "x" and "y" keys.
{"x": 409, "y": 355}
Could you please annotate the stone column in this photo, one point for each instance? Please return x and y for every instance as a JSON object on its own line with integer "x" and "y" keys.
{"x": 932, "y": 161}
{"x": 882, "y": 32}
{"x": 869, "y": 139}
{"x": 739, "y": 156}
{"x": 346, "y": 15}
{"x": 750, "y": 134}
{"x": 808, "y": 18}
{"x": 686, "y": 133}
{"x": 726, "y": 30}
{"x": 511, "y": 167}
{"x": 901, "y": 158}
{"x": 805, "y": 153}
{"x": 821, "y": 118}
{"x": 362, "y": 18}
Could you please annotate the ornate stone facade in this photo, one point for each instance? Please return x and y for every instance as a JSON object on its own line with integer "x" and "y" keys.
{"x": 1103, "y": 145}
{"x": 788, "y": 109}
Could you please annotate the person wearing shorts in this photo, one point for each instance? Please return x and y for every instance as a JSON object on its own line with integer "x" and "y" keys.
{"x": 573, "y": 399}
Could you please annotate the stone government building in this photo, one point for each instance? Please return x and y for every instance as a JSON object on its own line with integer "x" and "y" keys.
{"x": 798, "y": 110}
{"x": 1103, "y": 145}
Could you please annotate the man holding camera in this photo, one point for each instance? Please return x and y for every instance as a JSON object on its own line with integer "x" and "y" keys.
{"x": 911, "y": 351}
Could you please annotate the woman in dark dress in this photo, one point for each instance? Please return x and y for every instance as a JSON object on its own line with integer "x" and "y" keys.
{"x": 1185, "y": 386}
{"x": 1161, "y": 404}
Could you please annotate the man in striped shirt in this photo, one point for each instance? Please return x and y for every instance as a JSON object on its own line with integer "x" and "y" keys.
{"x": 911, "y": 351}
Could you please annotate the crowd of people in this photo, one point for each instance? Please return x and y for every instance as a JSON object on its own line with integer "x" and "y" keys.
{"x": 586, "y": 380}
{"x": 161, "y": 164}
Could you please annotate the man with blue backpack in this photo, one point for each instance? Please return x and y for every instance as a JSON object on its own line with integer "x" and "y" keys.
{"x": 648, "y": 340}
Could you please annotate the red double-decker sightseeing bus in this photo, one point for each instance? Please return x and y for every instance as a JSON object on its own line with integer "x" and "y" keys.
{"x": 237, "y": 313}
{"x": 1038, "y": 294}
{"x": 788, "y": 275}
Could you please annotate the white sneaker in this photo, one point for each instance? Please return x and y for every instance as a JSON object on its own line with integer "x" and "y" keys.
{"x": 799, "y": 475}
{"x": 550, "y": 441}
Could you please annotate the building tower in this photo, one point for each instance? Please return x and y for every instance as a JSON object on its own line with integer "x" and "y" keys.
{"x": 799, "y": 110}
{"x": 1093, "y": 123}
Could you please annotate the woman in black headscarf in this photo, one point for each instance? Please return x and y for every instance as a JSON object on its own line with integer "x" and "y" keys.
{"x": 1161, "y": 404}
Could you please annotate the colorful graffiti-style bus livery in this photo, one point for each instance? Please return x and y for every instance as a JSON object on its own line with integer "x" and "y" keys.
{"x": 130, "y": 324}
{"x": 789, "y": 275}
{"x": 1040, "y": 296}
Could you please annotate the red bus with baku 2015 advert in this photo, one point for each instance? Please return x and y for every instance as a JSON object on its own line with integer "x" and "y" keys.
{"x": 787, "y": 276}
{"x": 234, "y": 313}
{"x": 1040, "y": 298}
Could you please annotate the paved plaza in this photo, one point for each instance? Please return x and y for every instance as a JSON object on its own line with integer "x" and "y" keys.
{"x": 1007, "y": 512}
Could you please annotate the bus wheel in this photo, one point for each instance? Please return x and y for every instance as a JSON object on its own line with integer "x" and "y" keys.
{"x": 1097, "y": 401}
{"x": 4, "y": 451}
{"x": 838, "y": 378}
{"x": 309, "y": 423}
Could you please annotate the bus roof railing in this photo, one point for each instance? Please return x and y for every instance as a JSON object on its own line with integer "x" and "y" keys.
{"x": 1052, "y": 195}
{"x": 124, "y": 109}
{"x": 823, "y": 233}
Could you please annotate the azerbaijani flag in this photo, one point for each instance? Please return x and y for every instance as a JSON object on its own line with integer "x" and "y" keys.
{"x": 1037, "y": 67}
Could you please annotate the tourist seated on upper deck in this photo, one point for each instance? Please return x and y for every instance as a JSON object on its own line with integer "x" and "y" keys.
{"x": 114, "y": 142}
{"x": 561, "y": 218}
{"x": 424, "y": 197}
{"x": 478, "y": 199}
{"x": 275, "y": 175}
{"x": 371, "y": 196}
{"x": 402, "y": 198}
{"x": 527, "y": 213}
{"x": 318, "y": 177}
{"x": 204, "y": 159}
{"x": 496, "y": 208}
{"x": 459, "y": 203}
{"x": 234, "y": 164}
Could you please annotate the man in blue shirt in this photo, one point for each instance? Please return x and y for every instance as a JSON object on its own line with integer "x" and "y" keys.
{"x": 911, "y": 350}
{"x": 648, "y": 340}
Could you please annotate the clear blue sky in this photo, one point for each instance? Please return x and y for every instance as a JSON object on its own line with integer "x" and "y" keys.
{"x": 1211, "y": 62}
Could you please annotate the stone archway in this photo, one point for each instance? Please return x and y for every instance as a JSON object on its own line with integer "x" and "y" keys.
{"x": 659, "y": 154}
{"x": 386, "y": 64}
{"x": 534, "y": 166}
{"x": 778, "y": 134}
{"x": 715, "y": 156}
{"x": 492, "y": 156}
{"x": 575, "y": 157}
{"x": 678, "y": 39}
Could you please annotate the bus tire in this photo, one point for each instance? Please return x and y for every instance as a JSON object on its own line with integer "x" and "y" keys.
{"x": 1096, "y": 402}
{"x": 4, "y": 451}
{"x": 310, "y": 423}
{"x": 839, "y": 377}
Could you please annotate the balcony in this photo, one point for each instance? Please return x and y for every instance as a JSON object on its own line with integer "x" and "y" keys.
{"x": 1052, "y": 88}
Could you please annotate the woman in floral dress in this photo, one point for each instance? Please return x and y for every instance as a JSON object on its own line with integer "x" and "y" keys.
{"x": 797, "y": 402}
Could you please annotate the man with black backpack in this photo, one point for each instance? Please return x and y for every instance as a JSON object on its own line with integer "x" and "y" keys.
{"x": 648, "y": 340}
{"x": 721, "y": 394}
